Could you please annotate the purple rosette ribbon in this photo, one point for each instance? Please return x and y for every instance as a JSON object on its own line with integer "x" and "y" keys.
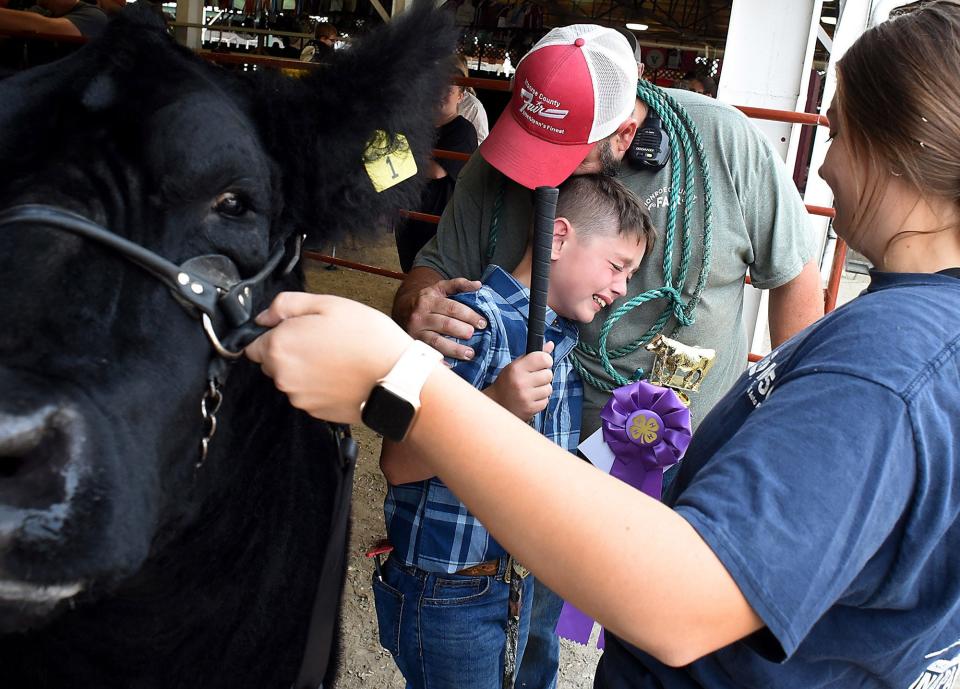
{"x": 647, "y": 428}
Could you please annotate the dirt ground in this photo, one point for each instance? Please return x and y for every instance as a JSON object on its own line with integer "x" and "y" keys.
{"x": 366, "y": 664}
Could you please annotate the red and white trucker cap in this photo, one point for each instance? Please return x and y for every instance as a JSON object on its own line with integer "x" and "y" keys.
{"x": 574, "y": 88}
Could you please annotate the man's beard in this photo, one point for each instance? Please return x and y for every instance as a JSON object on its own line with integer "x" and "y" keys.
{"x": 609, "y": 163}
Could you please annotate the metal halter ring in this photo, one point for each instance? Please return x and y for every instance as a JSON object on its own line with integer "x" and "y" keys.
{"x": 215, "y": 341}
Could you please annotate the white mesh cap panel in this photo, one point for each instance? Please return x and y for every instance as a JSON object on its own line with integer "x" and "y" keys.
{"x": 612, "y": 67}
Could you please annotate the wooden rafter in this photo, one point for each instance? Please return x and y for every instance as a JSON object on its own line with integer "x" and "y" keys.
{"x": 693, "y": 21}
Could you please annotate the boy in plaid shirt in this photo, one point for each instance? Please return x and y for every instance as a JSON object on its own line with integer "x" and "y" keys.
{"x": 442, "y": 601}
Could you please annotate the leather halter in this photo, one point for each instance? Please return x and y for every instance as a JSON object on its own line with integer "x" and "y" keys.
{"x": 210, "y": 286}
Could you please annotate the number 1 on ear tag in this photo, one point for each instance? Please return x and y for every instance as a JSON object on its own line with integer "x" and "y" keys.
{"x": 388, "y": 165}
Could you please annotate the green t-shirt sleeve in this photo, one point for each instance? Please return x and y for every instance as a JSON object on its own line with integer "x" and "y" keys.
{"x": 776, "y": 220}
{"x": 455, "y": 250}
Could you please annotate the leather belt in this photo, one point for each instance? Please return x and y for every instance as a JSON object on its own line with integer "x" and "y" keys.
{"x": 489, "y": 568}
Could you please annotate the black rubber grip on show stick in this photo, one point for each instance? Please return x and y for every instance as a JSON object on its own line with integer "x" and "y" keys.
{"x": 544, "y": 213}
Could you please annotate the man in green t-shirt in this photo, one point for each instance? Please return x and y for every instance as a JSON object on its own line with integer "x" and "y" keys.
{"x": 759, "y": 227}
{"x": 574, "y": 110}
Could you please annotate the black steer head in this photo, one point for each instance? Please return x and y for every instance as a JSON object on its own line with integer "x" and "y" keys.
{"x": 120, "y": 564}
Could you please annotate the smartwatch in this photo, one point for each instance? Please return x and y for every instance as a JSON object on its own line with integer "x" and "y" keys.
{"x": 393, "y": 403}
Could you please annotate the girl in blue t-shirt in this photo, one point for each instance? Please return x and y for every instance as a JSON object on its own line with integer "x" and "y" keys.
{"x": 812, "y": 537}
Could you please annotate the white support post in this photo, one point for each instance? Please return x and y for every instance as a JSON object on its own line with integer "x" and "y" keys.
{"x": 189, "y": 11}
{"x": 855, "y": 17}
{"x": 382, "y": 12}
{"x": 401, "y": 5}
{"x": 766, "y": 64}
{"x": 767, "y": 59}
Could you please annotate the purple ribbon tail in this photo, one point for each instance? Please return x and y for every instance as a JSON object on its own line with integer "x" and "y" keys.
{"x": 647, "y": 428}
{"x": 653, "y": 483}
{"x": 635, "y": 475}
{"x": 577, "y": 626}
{"x": 574, "y": 624}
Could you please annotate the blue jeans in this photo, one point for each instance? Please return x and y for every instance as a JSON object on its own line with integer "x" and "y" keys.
{"x": 447, "y": 631}
{"x": 541, "y": 659}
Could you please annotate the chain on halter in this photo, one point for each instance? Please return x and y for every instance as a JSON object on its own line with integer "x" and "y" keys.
{"x": 209, "y": 406}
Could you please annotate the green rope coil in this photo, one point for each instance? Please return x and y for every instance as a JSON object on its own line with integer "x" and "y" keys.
{"x": 684, "y": 135}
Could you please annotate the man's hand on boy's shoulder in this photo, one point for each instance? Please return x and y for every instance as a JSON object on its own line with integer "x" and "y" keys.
{"x": 523, "y": 387}
{"x": 423, "y": 307}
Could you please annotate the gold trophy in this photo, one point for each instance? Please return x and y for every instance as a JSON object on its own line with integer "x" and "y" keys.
{"x": 678, "y": 366}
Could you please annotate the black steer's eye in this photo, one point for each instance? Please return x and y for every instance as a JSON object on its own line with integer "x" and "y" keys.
{"x": 230, "y": 204}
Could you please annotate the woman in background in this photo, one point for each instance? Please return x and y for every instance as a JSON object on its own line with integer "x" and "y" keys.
{"x": 470, "y": 106}
{"x": 454, "y": 133}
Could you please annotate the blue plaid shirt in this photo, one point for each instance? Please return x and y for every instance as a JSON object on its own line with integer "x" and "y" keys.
{"x": 426, "y": 523}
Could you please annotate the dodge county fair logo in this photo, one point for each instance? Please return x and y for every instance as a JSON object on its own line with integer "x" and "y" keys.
{"x": 536, "y": 105}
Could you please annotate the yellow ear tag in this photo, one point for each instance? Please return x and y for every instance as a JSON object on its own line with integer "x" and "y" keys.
{"x": 388, "y": 165}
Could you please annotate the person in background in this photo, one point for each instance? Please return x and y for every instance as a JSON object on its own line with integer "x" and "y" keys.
{"x": 802, "y": 545}
{"x": 440, "y": 550}
{"x": 66, "y": 18}
{"x": 324, "y": 41}
{"x": 699, "y": 82}
{"x": 470, "y": 106}
{"x": 454, "y": 133}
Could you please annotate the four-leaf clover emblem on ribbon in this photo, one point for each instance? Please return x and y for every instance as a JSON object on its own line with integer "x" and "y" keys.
{"x": 644, "y": 428}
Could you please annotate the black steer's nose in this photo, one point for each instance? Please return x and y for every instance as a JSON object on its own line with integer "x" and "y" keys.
{"x": 34, "y": 452}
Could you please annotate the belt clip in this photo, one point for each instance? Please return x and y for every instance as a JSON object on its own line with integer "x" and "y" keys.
{"x": 515, "y": 568}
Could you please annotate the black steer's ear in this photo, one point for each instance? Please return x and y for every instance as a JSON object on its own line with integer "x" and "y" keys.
{"x": 355, "y": 119}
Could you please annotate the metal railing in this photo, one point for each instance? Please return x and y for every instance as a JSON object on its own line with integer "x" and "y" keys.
{"x": 261, "y": 61}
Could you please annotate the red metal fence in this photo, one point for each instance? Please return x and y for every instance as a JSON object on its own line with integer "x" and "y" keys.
{"x": 233, "y": 59}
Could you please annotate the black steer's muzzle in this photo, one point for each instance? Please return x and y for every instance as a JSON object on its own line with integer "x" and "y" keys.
{"x": 45, "y": 464}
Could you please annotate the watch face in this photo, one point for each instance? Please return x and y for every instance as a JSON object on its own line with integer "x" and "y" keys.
{"x": 387, "y": 413}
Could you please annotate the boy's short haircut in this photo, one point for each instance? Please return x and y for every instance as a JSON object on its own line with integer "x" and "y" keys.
{"x": 593, "y": 203}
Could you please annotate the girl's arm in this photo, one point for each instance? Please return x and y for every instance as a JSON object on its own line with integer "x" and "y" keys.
{"x": 634, "y": 564}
